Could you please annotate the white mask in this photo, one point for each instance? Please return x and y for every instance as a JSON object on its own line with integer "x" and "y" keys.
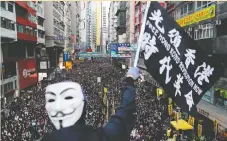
{"x": 64, "y": 103}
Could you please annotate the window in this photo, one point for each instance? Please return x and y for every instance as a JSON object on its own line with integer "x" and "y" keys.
{"x": 40, "y": 21}
{"x": 203, "y": 31}
{"x": 10, "y": 7}
{"x": 3, "y": 22}
{"x": 186, "y": 9}
{"x": 3, "y": 4}
{"x": 21, "y": 12}
{"x": 34, "y": 32}
{"x": 203, "y": 4}
{"x": 32, "y": 18}
{"x": 8, "y": 24}
{"x": 20, "y": 28}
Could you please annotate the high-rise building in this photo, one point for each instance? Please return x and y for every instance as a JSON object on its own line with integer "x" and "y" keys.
{"x": 55, "y": 30}
{"x": 98, "y": 25}
{"x": 77, "y": 23}
{"x": 93, "y": 26}
{"x": 104, "y": 28}
{"x": 112, "y": 34}
{"x": 21, "y": 32}
{"x": 130, "y": 27}
{"x": 68, "y": 26}
{"x": 121, "y": 21}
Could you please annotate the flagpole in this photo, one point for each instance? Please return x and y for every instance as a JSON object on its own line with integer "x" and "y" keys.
{"x": 141, "y": 35}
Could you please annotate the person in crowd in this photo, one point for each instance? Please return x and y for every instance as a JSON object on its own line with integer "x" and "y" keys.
{"x": 28, "y": 120}
{"x": 66, "y": 107}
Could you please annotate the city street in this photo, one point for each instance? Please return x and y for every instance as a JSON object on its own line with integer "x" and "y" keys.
{"x": 113, "y": 71}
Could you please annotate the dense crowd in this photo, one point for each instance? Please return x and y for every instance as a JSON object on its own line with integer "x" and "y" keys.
{"x": 27, "y": 119}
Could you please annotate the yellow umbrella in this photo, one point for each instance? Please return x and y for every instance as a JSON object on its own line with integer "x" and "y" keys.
{"x": 181, "y": 125}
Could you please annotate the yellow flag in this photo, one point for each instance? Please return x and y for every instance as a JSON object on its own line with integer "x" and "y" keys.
{"x": 170, "y": 109}
{"x": 105, "y": 90}
{"x": 189, "y": 120}
{"x": 200, "y": 130}
{"x": 215, "y": 126}
{"x": 192, "y": 121}
{"x": 159, "y": 91}
{"x": 105, "y": 99}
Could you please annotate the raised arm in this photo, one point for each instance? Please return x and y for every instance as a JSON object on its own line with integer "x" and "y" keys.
{"x": 121, "y": 124}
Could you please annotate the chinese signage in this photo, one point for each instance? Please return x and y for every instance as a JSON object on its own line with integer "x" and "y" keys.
{"x": 66, "y": 56}
{"x": 206, "y": 114}
{"x": 43, "y": 65}
{"x": 175, "y": 60}
{"x": 120, "y": 50}
{"x": 28, "y": 73}
{"x": 201, "y": 15}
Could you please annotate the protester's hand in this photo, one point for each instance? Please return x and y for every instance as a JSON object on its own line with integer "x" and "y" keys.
{"x": 133, "y": 72}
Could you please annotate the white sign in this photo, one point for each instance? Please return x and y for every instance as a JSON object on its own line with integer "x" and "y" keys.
{"x": 16, "y": 93}
{"x": 43, "y": 65}
{"x": 98, "y": 79}
{"x": 26, "y": 73}
{"x": 123, "y": 66}
{"x": 41, "y": 76}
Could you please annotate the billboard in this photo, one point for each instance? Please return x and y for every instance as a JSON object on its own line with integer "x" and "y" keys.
{"x": 118, "y": 50}
{"x": 27, "y": 72}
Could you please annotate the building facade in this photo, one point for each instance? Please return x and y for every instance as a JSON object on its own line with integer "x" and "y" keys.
{"x": 19, "y": 39}
{"x": 55, "y": 31}
{"x": 112, "y": 34}
{"x": 104, "y": 30}
{"x": 205, "y": 22}
{"x": 121, "y": 21}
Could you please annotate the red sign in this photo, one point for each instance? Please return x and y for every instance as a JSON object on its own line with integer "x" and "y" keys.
{"x": 27, "y": 72}
{"x": 89, "y": 50}
{"x": 73, "y": 38}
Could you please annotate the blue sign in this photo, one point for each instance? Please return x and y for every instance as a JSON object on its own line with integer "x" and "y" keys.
{"x": 66, "y": 56}
{"x": 121, "y": 50}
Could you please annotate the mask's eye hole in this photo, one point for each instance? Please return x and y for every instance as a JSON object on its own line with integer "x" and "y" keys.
{"x": 68, "y": 97}
{"x": 51, "y": 100}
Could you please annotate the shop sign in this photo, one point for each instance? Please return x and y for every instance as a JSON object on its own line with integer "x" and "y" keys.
{"x": 206, "y": 114}
{"x": 27, "y": 72}
{"x": 196, "y": 17}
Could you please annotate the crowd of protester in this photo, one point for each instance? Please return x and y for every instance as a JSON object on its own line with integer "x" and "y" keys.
{"x": 27, "y": 119}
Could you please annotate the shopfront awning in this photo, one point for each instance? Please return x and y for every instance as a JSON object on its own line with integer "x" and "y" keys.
{"x": 181, "y": 125}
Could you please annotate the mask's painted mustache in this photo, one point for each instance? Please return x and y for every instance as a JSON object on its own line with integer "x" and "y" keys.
{"x": 63, "y": 114}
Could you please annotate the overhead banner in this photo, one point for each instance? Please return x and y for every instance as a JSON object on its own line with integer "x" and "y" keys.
{"x": 175, "y": 60}
{"x": 196, "y": 17}
{"x": 120, "y": 50}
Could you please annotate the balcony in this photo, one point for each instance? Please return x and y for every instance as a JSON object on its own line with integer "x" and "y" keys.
{"x": 8, "y": 29}
{"x": 7, "y": 33}
{"x": 40, "y": 27}
{"x": 7, "y": 14}
{"x": 27, "y": 37}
